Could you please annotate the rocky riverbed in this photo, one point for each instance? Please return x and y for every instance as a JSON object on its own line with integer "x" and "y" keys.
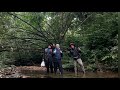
{"x": 15, "y": 72}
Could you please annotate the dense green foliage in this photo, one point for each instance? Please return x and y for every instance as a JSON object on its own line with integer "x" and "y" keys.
{"x": 24, "y": 35}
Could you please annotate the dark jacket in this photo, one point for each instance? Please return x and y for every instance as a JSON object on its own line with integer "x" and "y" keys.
{"x": 75, "y": 53}
{"x": 48, "y": 54}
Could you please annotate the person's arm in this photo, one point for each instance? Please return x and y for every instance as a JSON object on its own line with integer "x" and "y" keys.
{"x": 69, "y": 52}
{"x": 61, "y": 53}
{"x": 79, "y": 50}
{"x": 44, "y": 55}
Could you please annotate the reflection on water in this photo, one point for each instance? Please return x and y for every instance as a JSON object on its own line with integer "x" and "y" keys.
{"x": 37, "y": 74}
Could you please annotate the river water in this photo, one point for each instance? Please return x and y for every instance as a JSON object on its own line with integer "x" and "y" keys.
{"x": 37, "y": 74}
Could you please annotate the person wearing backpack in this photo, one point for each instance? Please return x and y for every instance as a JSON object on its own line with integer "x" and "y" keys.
{"x": 49, "y": 59}
{"x": 75, "y": 53}
{"x": 57, "y": 59}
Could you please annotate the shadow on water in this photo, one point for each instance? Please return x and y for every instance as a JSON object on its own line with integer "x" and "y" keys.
{"x": 38, "y": 74}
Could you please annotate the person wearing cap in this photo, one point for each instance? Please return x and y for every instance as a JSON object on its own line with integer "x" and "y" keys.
{"x": 75, "y": 53}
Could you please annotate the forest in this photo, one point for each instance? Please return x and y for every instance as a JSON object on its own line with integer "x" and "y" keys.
{"x": 25, "y": 35}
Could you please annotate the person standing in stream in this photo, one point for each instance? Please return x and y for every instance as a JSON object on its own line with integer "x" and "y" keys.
{"x": 58, "y": 59}
{"x": 75, "y": 53}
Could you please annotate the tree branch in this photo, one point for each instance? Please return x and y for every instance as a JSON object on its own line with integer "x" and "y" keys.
{"x": 86, "y": 19}
{"x": 29, "y": 25}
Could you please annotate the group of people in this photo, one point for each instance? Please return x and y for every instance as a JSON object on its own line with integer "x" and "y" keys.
{"x": 53, "y": 57}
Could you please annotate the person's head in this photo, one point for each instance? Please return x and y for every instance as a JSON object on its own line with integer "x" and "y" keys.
{"x": 53, "y": 44}
{"x": 57, "y": 46}
{"x": 72, "y": 45}
{"x": 49, "y": 46}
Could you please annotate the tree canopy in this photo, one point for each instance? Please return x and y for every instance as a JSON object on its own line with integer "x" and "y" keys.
{"x": 24, "y": 35}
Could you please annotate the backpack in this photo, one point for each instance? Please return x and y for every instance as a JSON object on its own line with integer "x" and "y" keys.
{"x": 49, "y": 52}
